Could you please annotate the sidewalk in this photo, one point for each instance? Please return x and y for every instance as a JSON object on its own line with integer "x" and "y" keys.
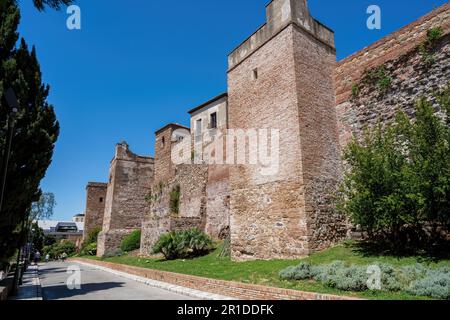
{"x": 31, "y": 286}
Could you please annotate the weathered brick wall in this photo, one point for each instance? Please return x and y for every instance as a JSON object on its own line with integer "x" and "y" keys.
{"x": 192, "y": 180}
{"x": 164, "y": 167}
{"x": 412, "y": 78}
{"x": 95, "y": 207}
{"x": 192, "y": 208}
{"x": 266, "y": 212}
{"x": 288, "y": 214}
{"x": 126, "y": 205}
{"x": 320, "y": 152}
{"x": 109, "y": 242}
{"x": 218, "y": 202}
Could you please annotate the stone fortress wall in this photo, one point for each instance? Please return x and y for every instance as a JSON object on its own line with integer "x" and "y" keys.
{"x": 284, "y": 76}
{"x": 129, "y": 183}
{"x": 411, "y": 77}
{"x": 95, "y": 207}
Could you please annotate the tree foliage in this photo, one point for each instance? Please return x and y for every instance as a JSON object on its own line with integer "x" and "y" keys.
{"x": 37, "y": 237}
{"x": 54, "y": 4}
{"x": 43, "y": 208}
{"x": 56, "y": 250}
{"x": 42, "y": 4}
{"x": 398, "y": 187}
{"x": 36, "y": 128}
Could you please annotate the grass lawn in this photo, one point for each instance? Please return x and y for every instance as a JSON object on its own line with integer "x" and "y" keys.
{"x": 266, "y": 272}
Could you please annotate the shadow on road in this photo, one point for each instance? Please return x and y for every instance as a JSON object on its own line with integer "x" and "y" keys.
{"x": 63, "y": 292}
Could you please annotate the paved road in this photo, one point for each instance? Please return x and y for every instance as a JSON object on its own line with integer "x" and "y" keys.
{"x": 96, "y": 285}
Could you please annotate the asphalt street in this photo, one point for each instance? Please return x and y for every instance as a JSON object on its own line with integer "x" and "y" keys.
{"x": 95, "y": 285}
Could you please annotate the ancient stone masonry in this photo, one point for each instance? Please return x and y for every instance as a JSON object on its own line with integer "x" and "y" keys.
{"x": 201, "y": 189}
{"x": 284, "y": 77}
{"x": 129, "y": 183}
{"x": 411, "y": 76}
{"x": 289, "y": 214}
{"x": 350, "y": 70}
{"x": 95, "y": 207}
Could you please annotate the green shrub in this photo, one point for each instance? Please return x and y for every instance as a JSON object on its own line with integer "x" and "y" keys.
{"x": 300, "y": 272}
{"x": 391, "y": 279}
{"x": 57, "y": 249}
{"x": 93, "y": 235}
{"x": 415, "y": 279}
{"x": 225, "y": 251}
{"x": 380, "y": 77}
{"x": 175, "y": 199}
{"x": 338, "y": 275}
{"x": 355, "y": 90}
{"x": 425, "y": 48}
{"x": 435, "y": 284}
{"x": 131, "y": 242}
{"x": 198, "y": 242}
{"x": 113, "y": 254}
{"x": 412, "y": 273}
{"x": 89, "y": 250}
{"x": 89, "y": 247}
{"x": 184, "y": 244}
{"x": 397, "y": 184}
{"x": 322, "y": 273}
{"x": 171, "y": 245}
{"x": 353, "y": 278}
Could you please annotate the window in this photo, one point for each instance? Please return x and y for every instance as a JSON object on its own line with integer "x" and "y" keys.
{"x": 213, "y": 120}
{"x": 198, "y": 127}
{"x": 163, "y": 141}
{"x": 255, "y": 74}
{"x": 101, "y": 200}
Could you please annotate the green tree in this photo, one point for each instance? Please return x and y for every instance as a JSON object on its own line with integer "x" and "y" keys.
{"x": 49, "y": 240}
{"x": 37, "y": 237}
{"x": 399, "y": 179}
{"x": 36, "y": 129}
{"x": 53, "y": 4}
{"x": 43, "y": 208}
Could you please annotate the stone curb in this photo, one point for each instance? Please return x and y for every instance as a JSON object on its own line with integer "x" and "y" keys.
{"x": 37, "y": 280}
{"x": 161, "y": 285}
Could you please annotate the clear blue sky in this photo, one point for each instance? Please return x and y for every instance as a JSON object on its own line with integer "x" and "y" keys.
{"x": 138, "y": 65}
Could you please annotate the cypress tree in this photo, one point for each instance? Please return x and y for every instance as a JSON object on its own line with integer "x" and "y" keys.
{"x": 36, "y": 128}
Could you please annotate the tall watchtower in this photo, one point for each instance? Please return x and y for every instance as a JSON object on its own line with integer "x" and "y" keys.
{"x": 281, "y": 78}
{"x": 130, "y": 179}
{"x": 165, "y": 140}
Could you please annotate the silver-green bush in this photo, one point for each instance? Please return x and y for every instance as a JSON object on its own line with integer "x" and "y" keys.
{"x": 435, "y": 284}
{"x": 300, "y": 272}
{"x": 323, "y": 272}
{"x": 417, "y": 279}
{"x": 391, "y": 279}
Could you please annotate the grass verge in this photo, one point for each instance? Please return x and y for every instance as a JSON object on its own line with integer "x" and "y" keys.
{"x": 266, "y": 272}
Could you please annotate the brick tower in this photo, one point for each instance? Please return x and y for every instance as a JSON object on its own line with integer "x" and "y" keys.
{"x": 130, "y": 179}
{"x": 281, "y": 78}
{"x": 95, "y": 207}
